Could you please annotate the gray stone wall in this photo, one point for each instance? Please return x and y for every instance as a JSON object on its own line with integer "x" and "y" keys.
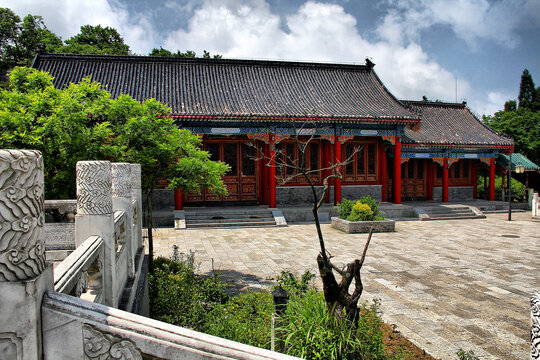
{"x": 302, "y": 195}
{"x": 355, "y": 192}
{"x": 455, "y": 193}
{"x": 162, "y": 207}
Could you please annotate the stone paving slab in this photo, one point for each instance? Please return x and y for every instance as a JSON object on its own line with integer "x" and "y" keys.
{"x": 446, "y": 284}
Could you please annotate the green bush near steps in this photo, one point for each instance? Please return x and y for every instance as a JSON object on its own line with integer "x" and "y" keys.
{"x": 365, "y": 209}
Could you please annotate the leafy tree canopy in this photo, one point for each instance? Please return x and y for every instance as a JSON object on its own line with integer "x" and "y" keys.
{"x": 20, "y": 40}
{"x": 188, "y": 54}
{"x": 527, "y": 92}
{"x": 522, "y": 123}
{"x": 83, "y": 122}
{"x": 96, "y": 40}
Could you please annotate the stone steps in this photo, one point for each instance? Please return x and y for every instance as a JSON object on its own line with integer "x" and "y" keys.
{"x": 219, "y": 217}
{"x": 452, "y": 213}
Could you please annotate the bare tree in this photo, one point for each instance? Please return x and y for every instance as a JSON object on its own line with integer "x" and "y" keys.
{"x": 338, "y": 299}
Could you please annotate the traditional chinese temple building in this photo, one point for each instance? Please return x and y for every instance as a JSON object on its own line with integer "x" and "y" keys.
{"x": 409, "y": 149}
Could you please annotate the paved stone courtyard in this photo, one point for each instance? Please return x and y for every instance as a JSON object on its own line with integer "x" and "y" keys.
{"x": 445, "y": 284}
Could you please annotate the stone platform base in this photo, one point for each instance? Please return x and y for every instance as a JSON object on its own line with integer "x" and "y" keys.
{"x": 356, "y": 227}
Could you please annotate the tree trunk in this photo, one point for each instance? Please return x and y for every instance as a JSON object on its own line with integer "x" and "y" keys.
{"x": 149, "y": 229}
{"x": 339, "y": 302}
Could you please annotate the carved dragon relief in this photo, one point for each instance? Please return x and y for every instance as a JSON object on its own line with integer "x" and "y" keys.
{"x": 103, "y": 346}
{"x": 22, "y": 252}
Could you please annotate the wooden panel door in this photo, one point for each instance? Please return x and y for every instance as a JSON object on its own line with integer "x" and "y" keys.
{"x": 248, "y": 173}
{"x": 231, "y": 179}
{"x": 414, "y": 179}
{"x": 241, "y": 180}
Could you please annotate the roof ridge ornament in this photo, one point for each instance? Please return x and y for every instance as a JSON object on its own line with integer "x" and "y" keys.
{"x": 370, "y": 64}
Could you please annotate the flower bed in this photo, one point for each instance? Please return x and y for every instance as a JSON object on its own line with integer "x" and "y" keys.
{"x": 355, "y": 227}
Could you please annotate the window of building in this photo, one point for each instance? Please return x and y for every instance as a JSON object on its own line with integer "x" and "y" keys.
{"x": 458, "y": 174}
{"x": 363, "y": 164}
{"x": 289, "y": 154}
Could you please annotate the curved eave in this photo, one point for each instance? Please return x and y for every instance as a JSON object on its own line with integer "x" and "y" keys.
{"x": 463, "y": 146}
{"x": 287, "y": 118}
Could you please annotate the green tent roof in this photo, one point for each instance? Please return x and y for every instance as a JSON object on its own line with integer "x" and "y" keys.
{"x": 517, "y": 160}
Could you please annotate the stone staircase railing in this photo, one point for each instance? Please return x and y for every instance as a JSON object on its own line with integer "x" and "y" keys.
{"x": 71, "y": 312}
{"x": 94, "y": 331}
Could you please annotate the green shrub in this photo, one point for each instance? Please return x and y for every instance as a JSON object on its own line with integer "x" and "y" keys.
{"x": 466, "y": 355}
{"x": 181, "y": 297}
{"x": 246, "y": 318}
{"x": 311, "y": 333}
{"x": 371, "y": 202}
{"x": 294, "y": 286}
{"x": 361, "y": 212}
{"x": 344, "y": 209}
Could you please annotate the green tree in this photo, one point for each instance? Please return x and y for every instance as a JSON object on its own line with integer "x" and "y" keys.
{"x": 523, "y": 125}
{"x": 510, "y": 105}
{"x": 188, "y": 54}
{"x": 527, "y": 91}
{"x": 21, "y": 40}
{"x": 83, "y": 122}
{"x": 96, "y": 40}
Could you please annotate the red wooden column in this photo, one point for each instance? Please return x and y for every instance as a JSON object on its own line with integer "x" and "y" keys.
{"x": 396, "y": 180}
{"x": 178, "y": 200}
{"x": 492, "y": 180}
{"x": 265, "y": 174}
{"x": 445, "y": 181}
{"x": 337, "y": 181}
{"x": 382, "y": 173}
{"x": 272, "y": 173}
{"x": 327, "y": 161}
{"x": 474, "y": 179}
{"x": 430, "y": 172}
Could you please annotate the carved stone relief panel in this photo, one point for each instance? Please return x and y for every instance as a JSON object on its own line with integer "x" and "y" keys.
{"x": 94, "y": 188}
{"x": 22, "y": 251}
{"x": 10, "y": 346}
{"x": 100, "y": 345}
{"x": 121, "y": 180}
{"x": 135, "y": 176}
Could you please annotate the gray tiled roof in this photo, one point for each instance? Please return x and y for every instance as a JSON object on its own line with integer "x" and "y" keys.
{"x": 450, "y": 124}
{"x": 237, "y": 88}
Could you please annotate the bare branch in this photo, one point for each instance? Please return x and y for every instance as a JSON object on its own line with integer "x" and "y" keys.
{"x": 366, "y": 246}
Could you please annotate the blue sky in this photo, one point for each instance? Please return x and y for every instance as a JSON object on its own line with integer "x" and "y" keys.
{"x": 420, "y": 47}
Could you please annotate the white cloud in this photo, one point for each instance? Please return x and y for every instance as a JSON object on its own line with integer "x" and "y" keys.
{"x": 494, "y": 102}
{"x": 65, "y": 17}
{"x": 470, "y": 20}
{"x": 316, "y": 32}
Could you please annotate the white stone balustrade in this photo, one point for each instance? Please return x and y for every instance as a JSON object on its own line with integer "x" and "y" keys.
{"x": 42, "y": 317}
{"x": 99, "y": 332}
{"x": 535, "y": 326}
{"x": 24, "y": 275}
{"x": 80, "y": 274}
{"x": 95, "y": 218}
{"x": 121, "y": 197}
{"x": 535, "y": 208}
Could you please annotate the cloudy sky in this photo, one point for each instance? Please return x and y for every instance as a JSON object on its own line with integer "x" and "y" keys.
{"x": 420, "y": 47}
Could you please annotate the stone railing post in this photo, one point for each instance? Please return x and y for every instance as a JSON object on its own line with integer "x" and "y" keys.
{"x": 24, "y": 274}
{"x": 95, "y": 217}
{"x": 121, "y": 197}
{"x": 136, "y": 194}
{"x": 535, "y": 326}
